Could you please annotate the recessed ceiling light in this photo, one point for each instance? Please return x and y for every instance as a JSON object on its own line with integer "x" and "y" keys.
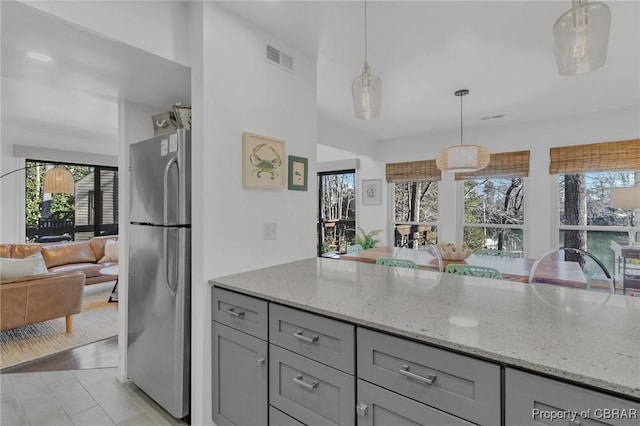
{"x": 39, "y": 56}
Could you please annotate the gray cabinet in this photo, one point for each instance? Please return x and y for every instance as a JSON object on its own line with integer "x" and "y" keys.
{"x": 380, "y": 407}
{"x": 240, "y": 365}
{"x": 280, "y": 366}
{"x": 534, "y": 400}
{"x": 278, "y": 418}
{"x": 311, "y": 367}
{"x": 244, "y": 313}
{"x": 322, "y": 339}
{"x": 457, "y": 384}
{"x": 310, "y": 392}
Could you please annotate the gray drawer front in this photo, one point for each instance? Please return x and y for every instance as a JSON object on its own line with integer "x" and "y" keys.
{"x": 278, "y": 418}
{"x": 291, "y": 389}
{"x": 236, "y": 362}
{"x": 385, "y": 408}
{"x": 325, "y": 340}
{"x": 244, "y": 313}
{"x": 463, "y": 386}
{"x": 525, "y": 392}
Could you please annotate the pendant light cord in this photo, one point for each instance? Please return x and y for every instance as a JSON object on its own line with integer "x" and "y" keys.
{"x": 461, "y": 122}
{"x": 365, "y": 30}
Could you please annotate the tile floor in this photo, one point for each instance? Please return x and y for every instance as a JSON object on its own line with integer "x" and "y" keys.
{"x": 77, "y": 397}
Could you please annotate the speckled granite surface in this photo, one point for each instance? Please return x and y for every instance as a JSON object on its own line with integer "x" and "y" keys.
{"x": 586, "y": 337}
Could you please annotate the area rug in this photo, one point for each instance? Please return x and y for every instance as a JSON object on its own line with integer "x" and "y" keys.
{"x": 97, "y": 320}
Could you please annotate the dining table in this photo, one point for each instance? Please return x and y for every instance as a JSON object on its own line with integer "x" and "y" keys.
{"x": 512, "y": 269}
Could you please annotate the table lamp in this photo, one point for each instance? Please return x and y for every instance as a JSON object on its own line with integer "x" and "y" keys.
{"x": 627, "y": 198}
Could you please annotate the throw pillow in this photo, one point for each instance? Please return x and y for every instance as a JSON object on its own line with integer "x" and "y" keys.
{"x": 111, "y": 250}
{"x": 14, "y": 269}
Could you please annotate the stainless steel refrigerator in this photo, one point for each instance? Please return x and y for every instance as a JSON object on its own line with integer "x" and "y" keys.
{"x": 159, "y": 302}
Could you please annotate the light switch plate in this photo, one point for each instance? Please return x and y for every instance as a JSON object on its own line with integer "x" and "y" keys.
{"x": 270, "y": 230}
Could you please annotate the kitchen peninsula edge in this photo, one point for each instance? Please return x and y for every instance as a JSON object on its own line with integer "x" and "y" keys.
{"x": 586, "y": 338}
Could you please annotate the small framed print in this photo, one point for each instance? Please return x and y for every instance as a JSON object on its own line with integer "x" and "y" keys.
{"x": 298, "y": 173}
{"x": 371, "y": 189}
{"x": 262, "y": 161}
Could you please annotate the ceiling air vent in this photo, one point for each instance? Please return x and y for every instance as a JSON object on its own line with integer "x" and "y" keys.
{"x": 491, "y": 117}
{"x": 279, "y": 58}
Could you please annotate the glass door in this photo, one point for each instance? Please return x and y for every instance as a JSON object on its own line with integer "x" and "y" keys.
{"x": 336, "y": 211}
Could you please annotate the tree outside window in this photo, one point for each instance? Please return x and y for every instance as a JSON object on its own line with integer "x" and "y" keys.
{"x": 416, "y": 212}
{"x": 494, "y": 213}
{"x": 587, "y": 220}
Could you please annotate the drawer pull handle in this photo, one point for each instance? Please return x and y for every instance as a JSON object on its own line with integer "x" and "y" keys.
{"x": 427, "y": 380}
{"x": 361, "y": 409}
{"x": 312, "y": 339}
{"x": 261, "y": 361}
{"x": 232, "y": 312}
{"x": 298, "y": 380}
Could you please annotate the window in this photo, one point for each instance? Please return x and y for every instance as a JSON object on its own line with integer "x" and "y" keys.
{"x": 415, "y": 201}
{"x": 586, "y": 174}
{"x": 77, "y": 216}
{"x": 586, "y": 218}
{"x": 494, "y": 203}
{"x": 494, "y": 213}
{"x": 415, "y": 212}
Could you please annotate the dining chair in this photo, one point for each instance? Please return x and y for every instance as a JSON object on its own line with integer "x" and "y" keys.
{"x": 399, "y": 263}
{"x": 562, "y": 267}
{"x": 498, "y": 253}
{"x": 354, "y": 248}
{"x": 473, "y": 270}
{"x": 433, "y": 251}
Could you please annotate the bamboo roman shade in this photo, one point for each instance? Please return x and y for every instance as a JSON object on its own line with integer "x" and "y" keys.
{"x": 605, "y": 156}
{"x": 412, "y": 171}
{"x": 504, "y": 164}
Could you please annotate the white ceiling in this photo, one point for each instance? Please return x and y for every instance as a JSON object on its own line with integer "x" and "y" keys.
{"x": 73, "y": 100}
{"x": 426, "y": 50}
{"x": 422, "y": 50}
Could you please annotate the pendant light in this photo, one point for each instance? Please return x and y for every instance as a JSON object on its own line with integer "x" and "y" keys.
{"x": 57, "y": 180}
{"x": 462, "y": 158}
{"x": 580, "y": 38}
{"x": 366, "y": 88}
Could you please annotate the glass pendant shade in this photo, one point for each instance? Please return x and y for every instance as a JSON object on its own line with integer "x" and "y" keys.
{"x": 366, "y": 90}
{"x": 463, "y": 158}
{"x": 581, "y": 37}
{"x": 58, "y": 181}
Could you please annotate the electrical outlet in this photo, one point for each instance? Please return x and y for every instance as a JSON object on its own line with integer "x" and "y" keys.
{"x": 270, "y": 230}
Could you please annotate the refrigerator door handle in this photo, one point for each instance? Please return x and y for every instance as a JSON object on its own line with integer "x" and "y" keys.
{"x": 165, "y": 195}
{"x": 165, "y": 258}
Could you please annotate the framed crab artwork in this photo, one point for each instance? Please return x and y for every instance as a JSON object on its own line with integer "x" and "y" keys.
{"x": 262, "y": 161}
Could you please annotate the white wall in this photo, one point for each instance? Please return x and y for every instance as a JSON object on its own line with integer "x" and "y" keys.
{"x": 66, "y": 128}
{"x": 155, "y": 26}
{"x": 538, "y": 137}
{"x": 242, "y": 92}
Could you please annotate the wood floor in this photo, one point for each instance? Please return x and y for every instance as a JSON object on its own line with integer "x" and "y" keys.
{"x": 100, "y": 354}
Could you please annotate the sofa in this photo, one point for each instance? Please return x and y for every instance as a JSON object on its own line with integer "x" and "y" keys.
{"x": 41, "y": 297}
{"x": 56, "y": 289}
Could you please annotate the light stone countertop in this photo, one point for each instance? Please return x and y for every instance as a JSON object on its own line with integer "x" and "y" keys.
{"x": 585, "y": 337}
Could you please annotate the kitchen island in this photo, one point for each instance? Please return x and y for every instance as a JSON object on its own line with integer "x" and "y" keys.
{"x": 586, "y": 339}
